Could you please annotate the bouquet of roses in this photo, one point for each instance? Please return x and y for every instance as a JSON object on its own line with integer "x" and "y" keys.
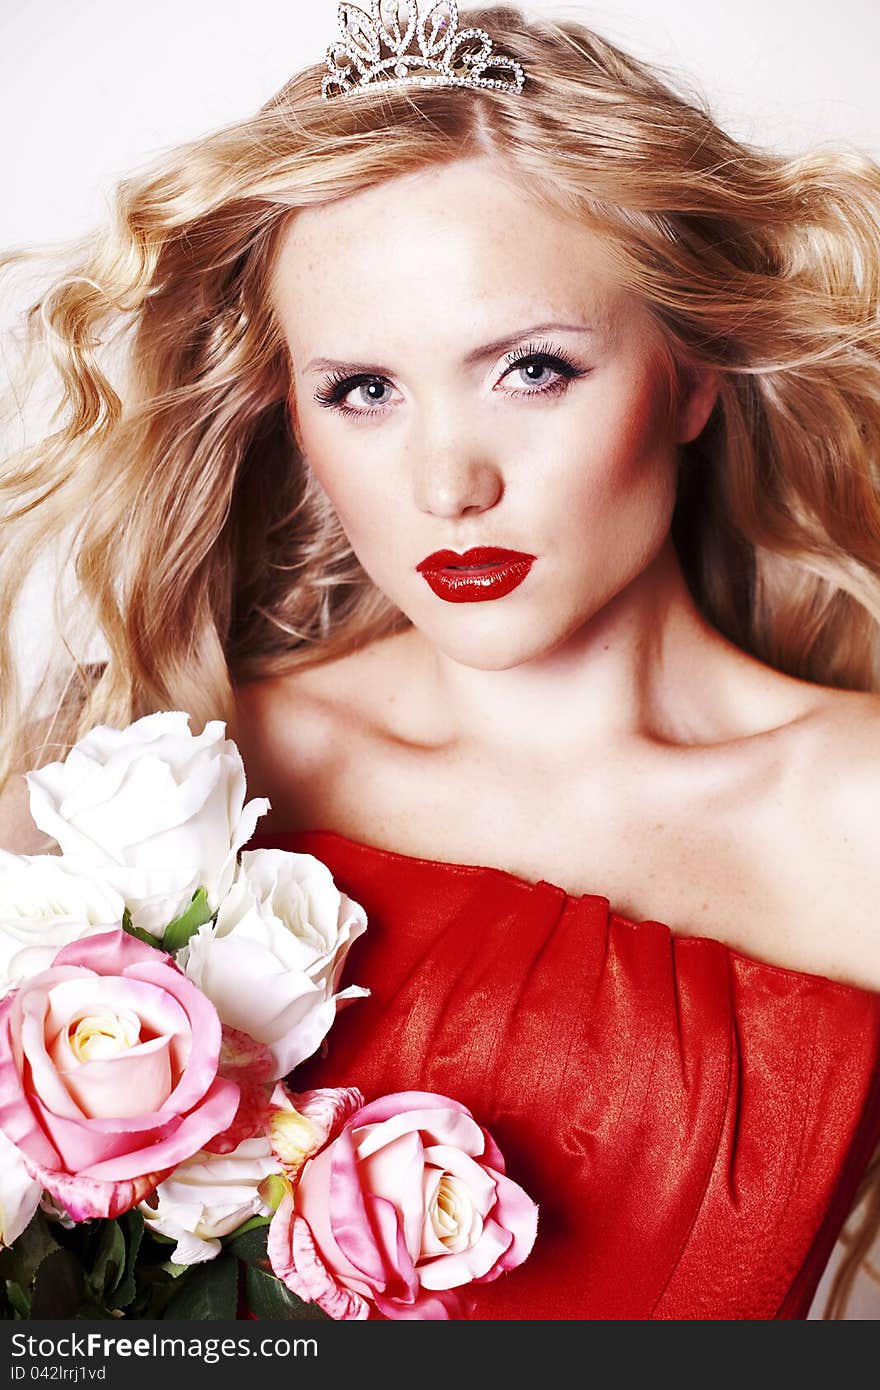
{"x": 159, "y": 986}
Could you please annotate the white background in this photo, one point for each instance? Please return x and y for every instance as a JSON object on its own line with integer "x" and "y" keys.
{"x": 91, "y": 88}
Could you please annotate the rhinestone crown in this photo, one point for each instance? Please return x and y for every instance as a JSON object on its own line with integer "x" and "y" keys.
{"x": 372, "y": 50}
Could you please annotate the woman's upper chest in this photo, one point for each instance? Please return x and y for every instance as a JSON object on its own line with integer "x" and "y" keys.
{"x": 727, "y": 843}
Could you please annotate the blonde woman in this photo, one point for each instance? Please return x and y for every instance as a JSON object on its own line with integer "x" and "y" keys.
{"x": 499, "y": 459}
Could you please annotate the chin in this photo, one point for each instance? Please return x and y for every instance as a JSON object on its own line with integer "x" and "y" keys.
{"x": 491, "y": 651}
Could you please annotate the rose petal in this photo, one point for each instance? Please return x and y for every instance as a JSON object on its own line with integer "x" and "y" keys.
{"x": 209, "y": 1196}
{"x": 121, "y": 1086}
{"x": 395, "y": 1172}
{"x": 452, "y": 1270}
{"x": 431, "y": 1244}
{"x": 463, "y": 1226}
{"x": 252, "y": 991}
{"x": 432, "y": 1307}
{"x": 517, "y": 1213}
{"x": 84, "y": 1142}
{"x": 27, "y": 1024}
{"x": 157, "y": 1008}
{"x": 397, "y": 1103}
{"x": 19, "y": 1193}
{"x": 401, "y": 1277}
{"x": 204, "y": 1024}
{"x": 108, "y": 953}
{"x": 437, "y": 1126}
{"x": 302, "y": 1123}
{"x": 17, "y": 1119}
{"x": 87, "y": 1200}
{"x": 328, "y": 1107}
{"x": 213, "y": 1115}
{"x": 480, "y": 1181}
{"x": 295, "y": 1260}
{"x": 313, "y": 1204}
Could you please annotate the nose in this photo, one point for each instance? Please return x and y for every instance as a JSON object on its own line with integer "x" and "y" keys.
{"x": 454, "y": 477}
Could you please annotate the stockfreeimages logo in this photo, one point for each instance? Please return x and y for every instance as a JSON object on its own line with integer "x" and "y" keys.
{"x": 100, "y": 1345}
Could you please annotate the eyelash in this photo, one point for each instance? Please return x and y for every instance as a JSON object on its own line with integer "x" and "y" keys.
{"x": 335, "y": 387}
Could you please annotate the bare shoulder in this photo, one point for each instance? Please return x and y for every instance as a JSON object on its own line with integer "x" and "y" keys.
{"x": 18, "y": 832}
{"x": 283, "y": 732}
{"x": 839, "y": 750}
{"x": 835, "y": 850}
{"x": 297, "y": 731}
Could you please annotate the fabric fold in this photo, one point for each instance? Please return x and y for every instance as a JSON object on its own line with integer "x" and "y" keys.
{"x": 692, "y": 1123}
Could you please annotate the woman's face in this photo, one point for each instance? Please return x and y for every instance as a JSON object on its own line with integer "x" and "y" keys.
{"x": 467, "y": 373}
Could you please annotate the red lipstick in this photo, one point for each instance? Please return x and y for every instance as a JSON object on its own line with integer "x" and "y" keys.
{"x": 484, "y": 572}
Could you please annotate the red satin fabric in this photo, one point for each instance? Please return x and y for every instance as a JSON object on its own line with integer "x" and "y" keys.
{"x": 692, "y": 1123}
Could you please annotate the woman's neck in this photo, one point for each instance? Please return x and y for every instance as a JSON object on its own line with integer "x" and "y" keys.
{"x": 648, "y": 667}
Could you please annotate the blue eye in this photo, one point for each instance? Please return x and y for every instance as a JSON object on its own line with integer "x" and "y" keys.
{"x": 563, "y": 368}
{"x": 332, "y": 392}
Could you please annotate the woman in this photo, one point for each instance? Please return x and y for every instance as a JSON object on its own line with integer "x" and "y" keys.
{"x": 606, "y": 799}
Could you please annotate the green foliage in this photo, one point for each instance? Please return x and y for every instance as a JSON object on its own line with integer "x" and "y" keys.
{"x": 269, "y": 1298}
{"x": 178, "y": 932}
{"x": 59, "y": 1286}
{"x": 265, "y": 1295}
{"x": 119, "y": 1269}
{"x": 20, "y": 1261}
{"x": 208, "y": 1290}
{"x": 132, "y": 1227}
{"x": 248, "y": 1243}
{"x": 140, "y": 934}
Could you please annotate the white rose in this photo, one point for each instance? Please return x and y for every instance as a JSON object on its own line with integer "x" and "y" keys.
{"x": 271, "y": 962}
{"x": 19, "y": 1194}
{"x": 44, "y": 904}
{"x": 208, "y": 1196}
{"x": 153, "y": 809}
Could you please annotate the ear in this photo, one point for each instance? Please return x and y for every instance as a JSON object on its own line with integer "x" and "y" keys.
{"x": 697, "y": 394}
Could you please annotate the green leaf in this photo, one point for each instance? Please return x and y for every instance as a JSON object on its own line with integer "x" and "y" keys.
{"x": 267, "y": 1297}
{"x": 141, "y": 933}
{"x": 109, "y": 1260}
{"x": 178, "y": 932}
{"x": 18, "y": 1298}
{"x": 19, "y": 1262}
{"x": 248, "y": 1243}
{"x": 158, "y": 1237}
{"x": 209, "y": 1290}
{"x": 93, "y": 1311}
{"x": 132, "y": 1225}
{"x": 58, "y": 1287}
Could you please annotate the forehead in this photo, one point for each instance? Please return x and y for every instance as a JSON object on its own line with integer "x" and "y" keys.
{"x": 448, "y": 241}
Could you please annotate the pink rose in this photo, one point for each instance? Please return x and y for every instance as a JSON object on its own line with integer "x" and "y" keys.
{"x": 108, "y": 1073}
{"x": 408, "y": 1203}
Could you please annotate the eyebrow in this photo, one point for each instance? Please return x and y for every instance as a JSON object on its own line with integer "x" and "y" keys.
{"x": 326, "y": 364}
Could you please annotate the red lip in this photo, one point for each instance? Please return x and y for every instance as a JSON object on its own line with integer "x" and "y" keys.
{"x": 502, "y": 571}
{"x": 477, "y": 555}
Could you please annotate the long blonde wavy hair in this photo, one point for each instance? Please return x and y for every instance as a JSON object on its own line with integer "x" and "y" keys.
{"x": 203, "y": 550}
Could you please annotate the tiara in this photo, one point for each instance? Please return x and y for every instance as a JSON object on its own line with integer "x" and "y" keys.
{"x": 372, "y": 50}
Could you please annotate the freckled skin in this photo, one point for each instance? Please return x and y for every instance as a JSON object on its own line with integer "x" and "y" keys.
{"x": 592, "y": 727}
{"x": 415, "y": 273}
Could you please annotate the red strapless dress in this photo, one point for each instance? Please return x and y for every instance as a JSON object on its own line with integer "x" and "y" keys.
{"x": 692, "y": 1123}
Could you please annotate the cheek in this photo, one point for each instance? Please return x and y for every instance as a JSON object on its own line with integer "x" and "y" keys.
{"x": 353, "y": 484}
{"x": 623, "y": 443}
{"x": 363, "y": 493}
